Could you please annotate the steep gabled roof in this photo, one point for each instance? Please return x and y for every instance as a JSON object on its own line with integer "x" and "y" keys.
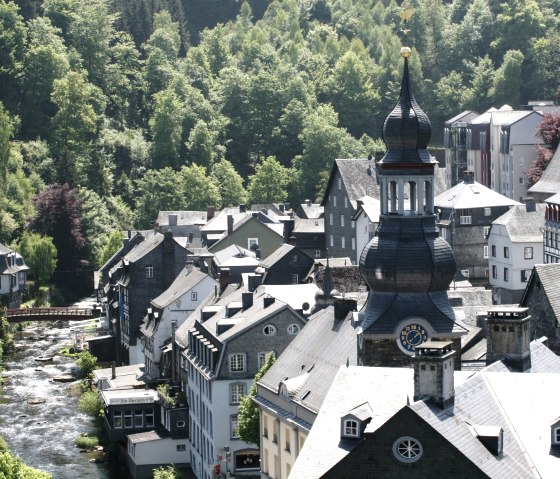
{"x": 470, "y": 194}
{"x": 183, "y": 217}
{"x": 143, "y": 248}
{"x": 523, "y": 223}
{"x": 185, "y": 281}
{"x": 464, "y": 116}
{"x": 548, "y": 275}
{"x": 549, "y": 182}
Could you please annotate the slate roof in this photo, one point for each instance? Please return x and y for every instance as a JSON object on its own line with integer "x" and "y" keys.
{"x": 548, "y": 275}
{"x": 346, "y": 279}
{"x": 554, "y": 199}
{"x": 386, "y": 390}
{"x": 317, "y": 352}
{"x": 469, "y": 194}
{"x": 304, "y": 225}
{"x": 183, "y": 217}
{"x": 508, "y": 116}
{"x": 143, "y": 248}
{"x": 234, "y": 251}
{"x": 461, "y": 116}
{"x": 371, "y": 207}
{"x": 296, "y": 295}
{"x": 484, "y": 118}
{"x": 549, "y": 182}
{"x": 219, "y": 222}
{"x": 311, "y": 210}
{"x": 185, "y": 281}
{"x": 523, "y": 226}
{"x": 277, "y": 255}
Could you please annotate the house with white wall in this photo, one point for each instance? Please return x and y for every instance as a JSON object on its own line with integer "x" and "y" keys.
{"x": 512, "y": 149}
{"x": 366, "y": 219}
{"x": 169, "y": 311}
{"x": 552, "y": 229}
{"x": 514, "y": 247}
{"x": 13, "y": 276}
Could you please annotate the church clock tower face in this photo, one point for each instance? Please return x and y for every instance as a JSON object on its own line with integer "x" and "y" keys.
{"x": 412, "y": 334}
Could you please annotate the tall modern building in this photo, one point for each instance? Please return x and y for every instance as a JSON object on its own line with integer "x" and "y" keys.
{"x": 406, "y": 265}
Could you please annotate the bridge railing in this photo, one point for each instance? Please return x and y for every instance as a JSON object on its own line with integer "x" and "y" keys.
{"x": 46, "y": 312}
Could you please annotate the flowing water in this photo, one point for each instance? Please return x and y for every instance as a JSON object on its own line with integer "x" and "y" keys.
{"x": 43, "y": 434}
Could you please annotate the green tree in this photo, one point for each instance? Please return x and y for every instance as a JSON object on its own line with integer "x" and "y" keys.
{"x": 167, "y": 128}
{"x": 6, "y": 132}
{"x": 477, "y": 96}
{"x": 229, "y": 183}
{"x": 199, "y": 189}
{"x": 11, "y": 467}
{"x": 201, "y": 145}
{"x": 111, "y": 246}
{"x": 248, "y": 426}
{"x": 12, "y": 47}
{"x": 268, "y": 184}
{"x": 39, "y": 253}
{"x": 506, "y": 87}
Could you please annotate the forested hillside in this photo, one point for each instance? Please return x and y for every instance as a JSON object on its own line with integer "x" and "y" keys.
{"x": 114, "y": 109}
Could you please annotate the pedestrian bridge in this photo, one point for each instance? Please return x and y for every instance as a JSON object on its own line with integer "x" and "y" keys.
{"x": 52, "y": 314}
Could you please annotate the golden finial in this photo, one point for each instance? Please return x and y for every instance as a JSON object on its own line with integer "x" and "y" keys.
{"x": 406, "y": 12}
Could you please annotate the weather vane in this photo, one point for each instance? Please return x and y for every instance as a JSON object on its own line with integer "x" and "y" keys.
{"x": 405, "y": 12}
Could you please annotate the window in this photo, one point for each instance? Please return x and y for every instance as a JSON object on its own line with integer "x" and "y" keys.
{"x": 149, "y": 271}
{"x": 486, "y": 231}
{"x": 443, "y": 233}
{"x": 330, "y": 219}
{"x": 506, "y": 252}
{"x": 353, "y": 223}
{"x": 236, "y": 392}
{"x": 193, "y": 296}
{"x": 262, "y": 357}
{"x": 334, "y": 201}
{"x": 293, "y": 329}
{"x": 493, "y": 251}
{"x": 295, "y": 278}
{"x": 138, "y": 419}
{"x": 351, "y": 428}
{"x": 465, "y": 273}
{"x": 486, "y": 252}
{"x": 252, "y": 243}
{"x": 341, "y": 220}
{"x": 407, "y": 449}
{"x": 494, "y": 271}
{"x": 487, "y": 211}
{"x": 525, "y": 275}
{"x": 128, "y": 419}
{"x": 331, "y": 240}
{"x": 557, "y": 435}
{"x": 269, "y": 330}
{"x": 506, "y": 275}
{"x": 465, "y": 217}
{"x": 181, "y": 447}
{"x": 117, "y": 420}
{"x": 346, "y": 201}
{"x": 354, "y": 244}
{"x": 528, "y": 252}
{"x": 149, "y": 418}
{"x": 237, "y": 362}
{"x": 233, "y": 427}
{"x": 343, "y": 242}
{"x": 317, "y": 253}
{"x": 340, "y": 183}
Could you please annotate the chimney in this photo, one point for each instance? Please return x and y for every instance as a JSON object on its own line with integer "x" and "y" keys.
{"x": 468, "y": 176}
{"x": 267, "y": 301}
{"x": 225, "y": 278}
{"x": 191, "y": 237}
{"x": 254, "y": 281}
{"x": 292, "y": 241}
{"x": 491, "y": 437}
{"x": 433, "y": 372}
{"x": 210, "y": 212}
{"x": 229, "y": 224}
{"x": 342, "y": 306}
{"x": 113, "y": 370}
{"x": 282, "y": 207}
{"x": 242, "y": 208}
{"x": 247, "y": 300}
{"x": 530, "y": 205}
{"x": 288, "y": 229}
{"x": 168, "y": 259}
{"x": 508, "y": 336}
{"x": 173, "y": 366}
{"x": 308, "y": 202}
{"x": 189, "y": 266}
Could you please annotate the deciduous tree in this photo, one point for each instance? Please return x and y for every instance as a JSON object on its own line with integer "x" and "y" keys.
{"x": 268, "y": 184}
{"x": 39, "y": 253}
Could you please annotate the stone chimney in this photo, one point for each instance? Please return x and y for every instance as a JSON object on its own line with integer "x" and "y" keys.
{"x": 508, "y": 335}
{"x": 225, "y": 278}
{"x": 210, "y": 212}
{"x": 242, "y": 208}
{"x": 288, "y": 230}
{"x": 229, "y": 224}
{"x": 342, "y": 306}
{"x": 168, "y": 259}
{"x": 254, "y": 281}
{"x": 247, "y": 300}
{"x": 433, "y": 372}
{"x": 468, "y": 176}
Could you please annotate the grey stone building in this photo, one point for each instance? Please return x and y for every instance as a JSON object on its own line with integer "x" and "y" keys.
{"x": 287, "y": 265}
{"x": 466, "y": 213}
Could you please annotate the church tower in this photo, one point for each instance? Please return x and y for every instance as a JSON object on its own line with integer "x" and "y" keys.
{"x": 406, "y": 265}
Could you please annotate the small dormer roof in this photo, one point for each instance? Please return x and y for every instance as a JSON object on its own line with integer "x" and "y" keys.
{"x": 361, "y": 412}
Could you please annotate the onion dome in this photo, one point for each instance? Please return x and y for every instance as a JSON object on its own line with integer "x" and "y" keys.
{"x": 407, "y": 130}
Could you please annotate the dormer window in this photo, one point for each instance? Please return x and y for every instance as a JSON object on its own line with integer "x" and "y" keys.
{"x": 351, "y": 428}
{"x": 149, "y": 271}
{"x": 555, "y": 433}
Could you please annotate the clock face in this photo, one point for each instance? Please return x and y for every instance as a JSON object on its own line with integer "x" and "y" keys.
{"x": 412, "y": 335}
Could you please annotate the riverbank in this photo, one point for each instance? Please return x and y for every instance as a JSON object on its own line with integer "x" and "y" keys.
{"x": 42, "y": 431}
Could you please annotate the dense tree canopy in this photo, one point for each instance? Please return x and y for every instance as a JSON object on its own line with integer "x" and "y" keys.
{"x": 127, "y": 100}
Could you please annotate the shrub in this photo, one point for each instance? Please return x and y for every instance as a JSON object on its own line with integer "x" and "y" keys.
{"x": 87, "y": 363}
{"x": 83, "y": 441}
{"x": 91, "y": 404}
{"x": 169, "y": 472}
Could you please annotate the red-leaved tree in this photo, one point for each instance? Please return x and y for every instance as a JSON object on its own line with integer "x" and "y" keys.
{"x": 549, "y": 132}
{"x": 58, "y": 216}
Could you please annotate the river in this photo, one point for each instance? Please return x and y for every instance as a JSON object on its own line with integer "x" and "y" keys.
{"x": 42, "y": 435}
